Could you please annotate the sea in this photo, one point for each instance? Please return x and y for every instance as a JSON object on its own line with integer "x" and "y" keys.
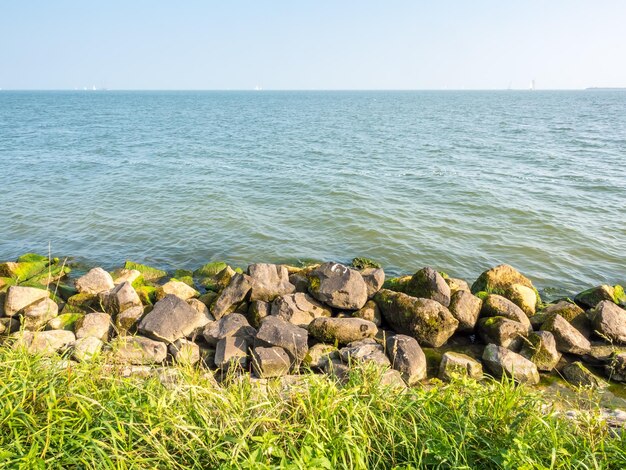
{"x": 457, "y": 180}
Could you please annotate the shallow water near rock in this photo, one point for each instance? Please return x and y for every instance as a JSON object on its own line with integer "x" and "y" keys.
{"x": 460, "y": 181}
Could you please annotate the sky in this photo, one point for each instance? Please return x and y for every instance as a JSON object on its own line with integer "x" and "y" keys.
{"x": 312, "y": 45}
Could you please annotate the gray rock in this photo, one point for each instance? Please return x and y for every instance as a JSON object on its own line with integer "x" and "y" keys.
{"x": 392, "y": 378}
{"x": 137, "y": 350}
{"x": 201, "y": 308}
{"x": 501, "y": 361}
{"x": 341, "y": 330}
{"x": 568, "y": 339}
{"x": 540, "y": 348}
{"x": 95, "y": 324}
{"x": 426, "y": 320}
{"x": 269, "y": 281}
{"x": 9, "y": 325}
{"x": 369, "y": 312}
{"x": 126, "y": 321}
{"x": 456, "y": 285}
{"x": 338, "y": 286}
{"x": 374, "y": 279}
{"x": 177, "y": 288}
{"x": 407, "y": 357}
{"x": 85, "y": 349}
{"x": 577, "y": 374}
{"x": 95, "y": 281}
{"x": 257, "y": 311}
{"x": 171, "y": 319}
{"x": 498, "y": 279}
{"x": 498, "y": 306}
{"x": 233, "y": 324}
{"x": 609, "y": 321}
{"x": 184, "y": 351}
{"x": 45, "y": 343}
{"x": 119, "y": 298}
{"x": 37, "y": 315}
{"x": 337, "y": 370}
{"x": 616, "y": 368}
{"x": 367, "y": 350}
{"x": 524, "y": 297}
{"x": 275, "y": 331}
{"x": 231, "y": 353}
{"x": 592, "y": 297}
{"x": 503, "y": 332}
{"x": 18, "y": 298}
{"x": 456, "y": 364}
{"x": 320, "y": 354}
{"x": 235, "y": 293}
{"x": 300, "y": 282}
{"x": 270, "y": 362}
{"x": 465, "y": 307}
{"x": 429, "y": 284}
{"x": 569, "y": 311}
{"x": 125, "y": 275}
{"x": 299, "y": 309}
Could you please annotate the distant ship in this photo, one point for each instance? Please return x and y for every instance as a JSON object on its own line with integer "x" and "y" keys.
{"x": 258, "y": 88}
{"x": 532, "y": 85}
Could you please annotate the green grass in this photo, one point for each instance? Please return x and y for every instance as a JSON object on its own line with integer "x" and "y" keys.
{"x": 83, "y": 416}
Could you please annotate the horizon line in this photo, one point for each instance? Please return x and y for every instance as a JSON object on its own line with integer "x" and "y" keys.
{"x": 311, "y": 89}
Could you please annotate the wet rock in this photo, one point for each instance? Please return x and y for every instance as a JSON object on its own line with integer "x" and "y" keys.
{"x": 577, "y": 374}
{"x": 498, "y": 279}
{"x": 177, "y": 288}
{"x": 338, "y": 286}
{"x": 369, "y": 312}
{"x": 95, "y": 281}
{"x": 171, "y": 319}
{"x": 426, "y": 320}
{"x": 234, "y": 294}
{"x": 429, "y": 284}
{"x": 367, "y": 350}
{"x": 501, "y": 361}
{"x": 568, "y": 339}
{"x": 45, "y": 343}
{"x": 275, "y": 331}
{"x": 269, "y": 281}
{"x": 299, "y": 309}
{"x": 95, "y": 324}
{"x": 18, "y": 298}
{"x": 540, "y": 348}
{"x": 341, "y": 330}
{"x": 592, "y": 297}
{"x": 498, "y": 306}
{"x": 465, "y": 307}
{"x": 208, "y": 274}
{"x": 524, "y": 297}
{"x": 37, "y": 315}
{"x": 126, "y": 321}
{"x": 119, "y": 298}
{"x": 457, "y": 364}
{"x": 609, "y": 321}
{"x": 233, "y": 324}
{"x": 407, "y": 357}
{"x": 270, "y": 362}
{"x": 257, "y": 311}
{"x": 456, "y": 285}
{"x": 231, "y": 353}
{"x": 374, "y": 279}
{"x": 320, "y": 354}
{"x": 184, "y": 351}
{"x": 503, "y": 332}
{"x": 137, "y": 350}
{"x": 86, "y": 348}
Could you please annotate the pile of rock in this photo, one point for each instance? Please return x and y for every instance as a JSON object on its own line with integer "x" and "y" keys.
{"x": 275, "y": 320}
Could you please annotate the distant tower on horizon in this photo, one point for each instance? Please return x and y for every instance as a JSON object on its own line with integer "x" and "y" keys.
{"x": 532, "y": 85}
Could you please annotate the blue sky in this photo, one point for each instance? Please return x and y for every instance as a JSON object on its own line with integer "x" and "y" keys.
{"x": 481, "y": 44}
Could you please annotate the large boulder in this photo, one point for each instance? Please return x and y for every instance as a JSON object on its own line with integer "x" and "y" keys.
{"x": 338, "y": 286}
{"x": 275, "y": 331}
{"x": 171, "y": 318}
{"x": 269, "y": 281}
{"x": 540, "y": 348}
{"x": 120, "y": 298}
{"x": 524, "y": 297}
{"x": 137, "y": 350}
{"x": 498, "y": 279}
{"x": 95, "y": 324}
{"x": 577, "y": 374}
{"x": 592, "y": 297}
{"x": 465, "y": 307}
{"x": 19, "y": 297}
{"x": 207, "y": 275}
{"x": 299, "y": 309}
{"x": 374, "y": 279}
{"x": 234, "y": 294}
{"x": 177, "y": 288}
{"x": 126, "y": 321}
{"x": 609, "y": 321}
{"x": 45, "y": 343}
{"x": 429, "y": 284}
{"x": 501, "y": 361}
{"x": 457, "y": 284}
{"x": 426, "y": 320}
{"x": 95, "y": 281}
{"x": 568, "y": 339}
{"x": 498, "y": 306}
{"x": 407, "y": 357}
{"x": 502, "y": 331}
{"x": 233, "y": 324}
{"x": 455, "y": 364}
{"x": 341, "y": 330}
{"x": 37, "y": 315}
{"x": 231, "y": 353}
{"x": 270, "y": 362}
{"x": 364, "y": 351}
{"x": 569, "y": 311}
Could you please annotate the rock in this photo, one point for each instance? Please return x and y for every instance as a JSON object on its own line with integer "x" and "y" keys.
{"x": 269, "y": 281}
{"x": 95, "y": 324}
{"x": 45, "y": 343}
{"x": 126, "y": 321}
{"x": 592, "y": 297}
{"x": 275, "y": 331}
{"x": 119, "y": 298}
{"x": 362, "y": 263}
{"x": 501, "y": 361}
{"x": 95, "y": 281}
{"x": 457, "y": 364}
{"x": 299, "y": 309}
{"x": 320, "y": 354}
{"x": 498, "y": 306}
{"x": 609, "y": 322}
{"x": 177, "y": 288}
{"x": 300, "y": 282}
{"x": 407, "y": 357}
{"x": 374, "y": 279}
{"x": 232, "y": 295}
{"x": 231, "y": 353}
{"x": 257, "y": 311}
{"x": 86, "y": 348}
{"x": 65, "y": 321}
{"x": 18, "y": 298}
{"x": 125, "y": 275}
{"x": 8, "y": 325}
{"x": 184, "y": 351}
{"x": 207, "y": 274}
{"x": 171, "y": 319}
{"x": 233, "y": 324}
{"x": 37, "y": 315}
{"x": 429, "y": 284}
{"x": 82, "y": 303}
{"x": 149, "y": 273}
{"x": 568, "y": 339}
{"x": 426, "y": 320}
{"x": 338, "y": 286}
{"x": 616, "y": 369}
{"x": 392, "y": 378}
{"x": 337, "y": 370}
{"x": 456, "y": 285}
{"x": 498, "y": 279}
{"x": 503, "y": 332}
{"x": 577, "y": 374}
{"x": 465, "y": 307}
{"x": 367, "y": 350}
{"x": 207, "y": 357}
{"x": 201, "y": 308}
{"x": 524, "y": 297}
{"x": 137, "y": 350}
{"x": 540, "y": 348}
{"x": 270, "y": 362}
{"x": 568, "y": 310}
{"x": 341, "y": 330}
{"x": 369, "y": 312}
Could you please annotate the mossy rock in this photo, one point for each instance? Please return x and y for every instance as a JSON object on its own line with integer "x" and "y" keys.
{"x": 147, "y": 294}
{"x": 82, "y": 302}
{"x": 364, "y": 263}
{"x": 498, "y": 279}
{"x": 397, "y": 284}
{"x": 65, "y": 291}
{"x": 6, "y": 282}
{"x": 619, "y": 296}
{"x": 22, "y": 270}
{"x": 65, "y": 321}
{"x": 184, "y": 275}
{"x": 33, "y": 258}
{"x": 210, "y": 269}
{"x": 50, "y": 275}
{"x": 148, "y": 272}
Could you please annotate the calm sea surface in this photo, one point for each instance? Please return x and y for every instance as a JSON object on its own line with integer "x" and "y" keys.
{"x": 457, "y": 180}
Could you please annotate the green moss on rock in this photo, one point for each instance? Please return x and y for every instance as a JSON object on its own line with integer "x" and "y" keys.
{"x": 149, "y": 273}
{"x": 364, "y": 263}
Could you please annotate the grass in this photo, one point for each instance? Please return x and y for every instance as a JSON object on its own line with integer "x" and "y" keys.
{"x": 84, "y": 416}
